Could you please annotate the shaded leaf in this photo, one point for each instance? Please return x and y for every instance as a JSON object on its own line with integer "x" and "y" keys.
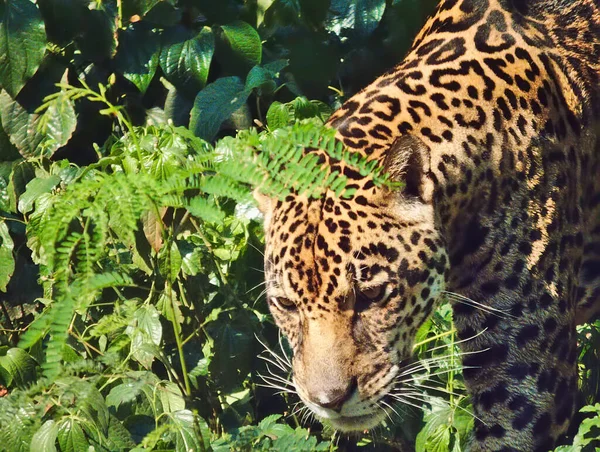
{"x": 169, "y": 262}
{"x": 137, "y": 54}
{"x": 22, "y": 43}
{"x": 216, "y": 103}
{"x": 97, "y": 38}
{"x": 244, "y": 42}
{"x": 62, "y": 18}
{"x": 354, "y": 17}
{"x": 163, "y": 14}
{"x": 19, "y": 365}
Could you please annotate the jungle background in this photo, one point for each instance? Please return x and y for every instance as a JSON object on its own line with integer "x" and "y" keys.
{"x": 132, "y": 310}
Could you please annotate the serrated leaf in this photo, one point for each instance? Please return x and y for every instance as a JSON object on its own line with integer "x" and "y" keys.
{"x": 162, "y": 15}
{"x": 187, "y": 436}
{"x": 234, "y": 343}
{"x": 244, "y": 41}
{"x": 146, "y": 335}
{"x": 185, "y": 59}
{"x": 354, "y": 17}
{"x": 45, "y": 438}
{"x": 7, "y": 260}
{"x": 35, "y": 134}
{"x": 278, "y": 116}
{"x": 20, "y": 366}
{"x": 137, "y": 54}
{"x": 148, "y": 321}
{"x": 191, "y": 258}
{"x": 34, "y": 189}
{"x": 22, "y": 43}
{"x": 169, "y": 262}
{"x": 216, "y": 103}
{"x": 170, "y": 306}
{"x": 125, "y": 392}
{"x": 259, "y": 77}
{"x": 118, "y": 437}
{"x": 62, "y": 18}
{"x": 96, "y": 40}
{"x": 171, "y": 397}
{"x": 71, "y": 437}
{"x": 152, "y": 226}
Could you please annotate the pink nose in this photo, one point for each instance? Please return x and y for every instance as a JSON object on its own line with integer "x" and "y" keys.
{"x": 335, "y": 398}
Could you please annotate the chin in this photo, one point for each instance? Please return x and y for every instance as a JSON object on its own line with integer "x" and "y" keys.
{"x": 355, "y": 423}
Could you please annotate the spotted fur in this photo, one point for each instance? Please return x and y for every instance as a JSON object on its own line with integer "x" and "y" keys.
{"x": 492, "y": 124}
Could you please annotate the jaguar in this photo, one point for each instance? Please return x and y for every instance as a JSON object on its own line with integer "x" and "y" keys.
{"x": 491, "y": 124}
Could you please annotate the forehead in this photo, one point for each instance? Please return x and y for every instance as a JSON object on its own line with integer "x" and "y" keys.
{"x": 326, "y": 245}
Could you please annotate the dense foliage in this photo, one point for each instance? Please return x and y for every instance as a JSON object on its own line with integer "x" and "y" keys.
{"x": 132, "y": 310}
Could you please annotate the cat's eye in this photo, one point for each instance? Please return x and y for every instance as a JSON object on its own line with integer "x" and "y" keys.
{"x": 372, "y": 293}
{"x": 367, "y": 297}
{"x": 284, "y": 303}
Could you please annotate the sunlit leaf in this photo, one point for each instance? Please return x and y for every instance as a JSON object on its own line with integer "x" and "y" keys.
{"x": 7, "y": 260}
{"x": 185, "y": 58}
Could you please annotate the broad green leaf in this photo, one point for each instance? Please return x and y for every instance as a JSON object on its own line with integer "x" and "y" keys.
{"x": 124, "y": 393}
{"x": 354, "y": 17}
{"x": 8, "y": 152}
{"x": 244, "y": 41}
{"x": 148, "y": 321}
{"x": 118, "y": 437}
{"x": 36, "y": 134}
{"x": 137, "y": 54}
{"x": 44, "y": 439}
{"x": 153, "y": 227}
{"x": 191, "y": 256}
{"x": 163, "y": 15}
{"x": 71, "y": 437}
{"x": 278, "y": 115}
{"x": 7, "y": 260}
{"x": 87, "y": 399}
{"x": 36, "y": 188}
{"x": 233, "y": 348}
{"x": 171, "y": 397}
{"x": 185, "y": 58}
{"x": 138, "y": 7}
{"x": 189, "y": 431}
{"x": 178, "y": 107}
{"x": 97, "y": 38}
{"x": 170, "y": 306}
{"x": 169, "y": 262}
{"x": 20, "y": 366}
{"x": 145, "y": 334}
{"x": 22, "y": 43}
{"x": 62, "y": 18}
{"x": 216, "y": 103}
{"x": 19, "y": 421}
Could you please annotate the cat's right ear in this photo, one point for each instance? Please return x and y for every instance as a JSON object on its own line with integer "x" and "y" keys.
{"x": 264, "y": 202}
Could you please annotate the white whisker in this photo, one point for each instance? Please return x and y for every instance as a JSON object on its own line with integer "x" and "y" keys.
{"x": 466, "y": 300}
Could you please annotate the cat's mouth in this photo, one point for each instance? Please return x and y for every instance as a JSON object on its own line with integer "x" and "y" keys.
{"x": 357, "y": 423}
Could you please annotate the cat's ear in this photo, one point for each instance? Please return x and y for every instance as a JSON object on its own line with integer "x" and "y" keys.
{"x": 408, "y": 161}
{"x": 263, "y": 201}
